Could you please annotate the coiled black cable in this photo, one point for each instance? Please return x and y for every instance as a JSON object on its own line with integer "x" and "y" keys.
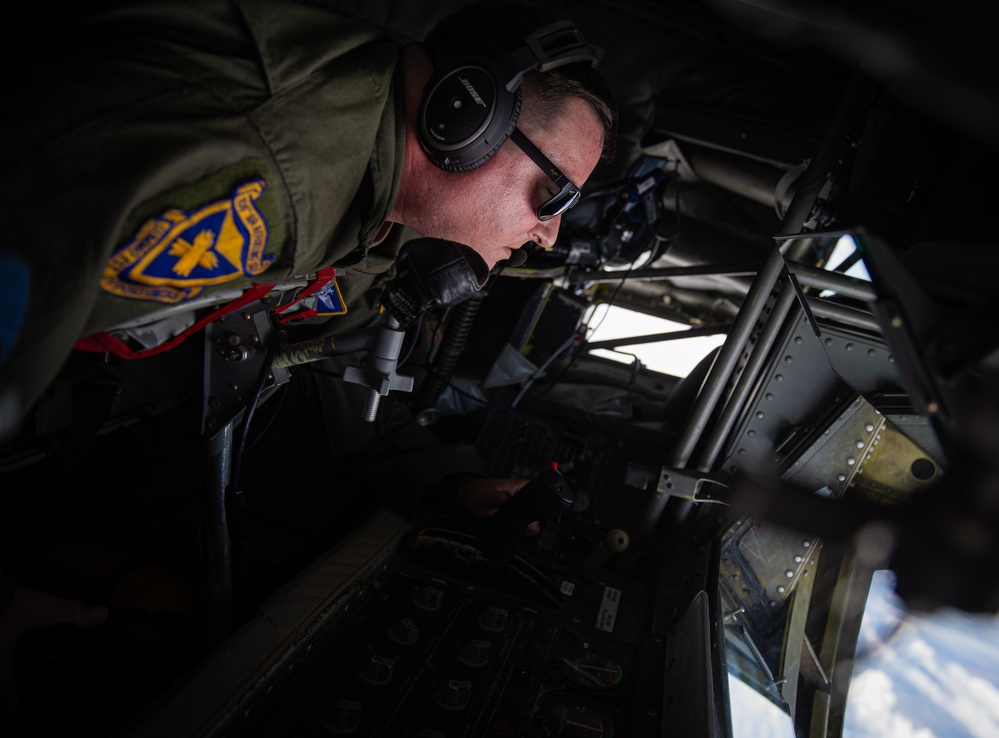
{"x": 446, "y": 359}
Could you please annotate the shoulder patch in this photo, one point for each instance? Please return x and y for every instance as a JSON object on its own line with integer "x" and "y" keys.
{"x": 329, "y": 301}
{"x": 173, "y": 256}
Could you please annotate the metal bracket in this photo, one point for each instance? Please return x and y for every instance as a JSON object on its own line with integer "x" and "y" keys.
{"x": 234, "y": 355}
{"x": 694, "y": 485}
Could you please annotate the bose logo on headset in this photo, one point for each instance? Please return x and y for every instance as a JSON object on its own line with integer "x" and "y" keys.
{"x": 472, "y": 92}
{"x": 470, "y": 108}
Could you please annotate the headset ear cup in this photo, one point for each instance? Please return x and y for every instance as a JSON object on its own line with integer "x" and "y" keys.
{"x": 471, "y": 107}
{"x": 466, "y": 114}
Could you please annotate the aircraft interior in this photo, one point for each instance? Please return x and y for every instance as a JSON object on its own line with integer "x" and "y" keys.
{"x": 805, "y": 182}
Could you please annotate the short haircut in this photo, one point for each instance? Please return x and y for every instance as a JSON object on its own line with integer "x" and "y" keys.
{"x": 495, "y": 27}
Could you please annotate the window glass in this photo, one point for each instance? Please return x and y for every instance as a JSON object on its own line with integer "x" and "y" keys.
{"x": 846, "y": 259}
{"x": 922, "y": 675}
{"x": 753, "y": 715}
{"x": 676, "y": 356}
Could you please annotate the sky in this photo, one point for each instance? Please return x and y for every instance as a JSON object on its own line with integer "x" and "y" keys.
{"x": 676, "y": 357}
{"x": 932, "y": 675}
{"x": 915, "y": 676}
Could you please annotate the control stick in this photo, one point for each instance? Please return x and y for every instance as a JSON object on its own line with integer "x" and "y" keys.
{"x": 544, "y": 498}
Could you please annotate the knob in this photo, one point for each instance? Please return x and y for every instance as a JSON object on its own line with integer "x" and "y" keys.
{"x": 404, "y": 632}
{"x": 429, "y": 599}
{"x": 343, "y": 717}
{"x": 454, "y": 695}
{"x": 493, "y": 619}
{"x": 377, "y": 670}
{"x": 474, "y": 653}
{"x": 617, "y": 540}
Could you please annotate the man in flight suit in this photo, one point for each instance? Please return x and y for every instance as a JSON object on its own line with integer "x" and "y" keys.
{"x": 167, "y": 152}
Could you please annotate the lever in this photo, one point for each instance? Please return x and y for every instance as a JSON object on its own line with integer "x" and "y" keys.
{"x": 379, "y": 372}
{"x": 544, "y": 498}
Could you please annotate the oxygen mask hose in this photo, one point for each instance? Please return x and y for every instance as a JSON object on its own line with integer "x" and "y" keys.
{"x": 431, "y": 274}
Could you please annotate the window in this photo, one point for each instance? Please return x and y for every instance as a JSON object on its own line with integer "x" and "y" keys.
{"x": 922, "y": 675}
{"x": 676, "y": 357}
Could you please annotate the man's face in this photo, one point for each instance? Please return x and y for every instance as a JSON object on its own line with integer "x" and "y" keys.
{"x": 493, "y": 208}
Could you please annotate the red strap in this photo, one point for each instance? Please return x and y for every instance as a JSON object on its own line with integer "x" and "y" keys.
{"x": 323, "y": 278}
{"x": 300, "y": 315}
{"x": 104, "y": 342}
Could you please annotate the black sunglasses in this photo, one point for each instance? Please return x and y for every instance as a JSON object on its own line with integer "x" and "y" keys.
{"x": 568, "y": 194}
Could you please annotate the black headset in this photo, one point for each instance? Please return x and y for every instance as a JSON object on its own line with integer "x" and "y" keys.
{"x": 470, "y": 107}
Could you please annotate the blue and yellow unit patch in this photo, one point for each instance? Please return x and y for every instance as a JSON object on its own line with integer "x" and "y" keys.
{"x": 175, "y": 255}
{"x": 329, "y": 301}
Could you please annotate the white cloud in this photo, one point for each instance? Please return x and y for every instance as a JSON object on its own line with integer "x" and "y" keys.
{"x": 872, "y": 702}
{"x": 937, "y": 676}
{"x": 986, "y": 696}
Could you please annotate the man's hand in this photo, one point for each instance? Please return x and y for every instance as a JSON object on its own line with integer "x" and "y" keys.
{"x": 480, "y": 498}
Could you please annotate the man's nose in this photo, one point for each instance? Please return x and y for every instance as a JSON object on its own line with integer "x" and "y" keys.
{"x": 546, "y": 232}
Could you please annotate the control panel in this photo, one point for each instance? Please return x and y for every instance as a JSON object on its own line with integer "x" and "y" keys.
{"x": 436, "y": 657}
